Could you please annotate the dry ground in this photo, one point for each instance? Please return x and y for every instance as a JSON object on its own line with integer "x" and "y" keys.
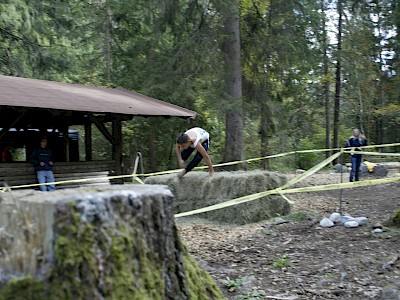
{"x": 298, "y": 259}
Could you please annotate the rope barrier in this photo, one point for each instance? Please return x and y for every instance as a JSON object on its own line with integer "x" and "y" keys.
{"x": 136, "y": 176}
{"x": 283, "y": 189}
{"x": 316, "y": 188}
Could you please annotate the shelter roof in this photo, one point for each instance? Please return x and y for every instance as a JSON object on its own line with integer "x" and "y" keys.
{"x": 42, "y": 94}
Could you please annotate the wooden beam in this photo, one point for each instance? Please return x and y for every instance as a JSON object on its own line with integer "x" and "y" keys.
{"x": 7, "y": 128}
{"x": 100, "y": 126}
{"x": 117, "y": 146}
{"x": 65, "y": 136}
{"x": 88, "y": 140}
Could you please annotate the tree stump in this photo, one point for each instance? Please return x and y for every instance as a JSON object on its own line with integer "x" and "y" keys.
{"x": 117, "y": 242}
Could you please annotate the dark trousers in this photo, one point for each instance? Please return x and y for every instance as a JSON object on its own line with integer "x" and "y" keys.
{"x": 355, "y": 167}
{"x": 197, "y": 157}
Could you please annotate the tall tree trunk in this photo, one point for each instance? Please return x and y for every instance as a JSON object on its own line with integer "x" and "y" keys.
{"x": 380, "y": 132}
{"x": 338, "y": 80}
{"x": 264, "y": 125}
{"x": 234, "y": 144}
{"x": 107, "y": 46}
{"x": 328, "y": 143}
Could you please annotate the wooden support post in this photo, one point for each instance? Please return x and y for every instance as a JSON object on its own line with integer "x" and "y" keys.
{"x": 117, "y": 146}
{"x": 88, "y": 140}
{"x": 66, "y": 143}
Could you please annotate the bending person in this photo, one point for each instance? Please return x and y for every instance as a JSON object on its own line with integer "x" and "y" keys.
{"x": 194, "y": 139}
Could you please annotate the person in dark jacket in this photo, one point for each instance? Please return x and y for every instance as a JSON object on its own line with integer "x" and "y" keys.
{"x": 42, "y": 159}
{"x": 355, "y": 141}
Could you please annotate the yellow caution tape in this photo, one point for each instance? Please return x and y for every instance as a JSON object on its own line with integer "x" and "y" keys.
{"x": 138, "y": 180}
{"x": 380, "y": 146}
{"x": 256, "y": 196}
{"x": 303, "y": 176}
{"x": 311, "y": 171}
{"x": 372, "y": 153}
{"x": 136, "y": 176}
{"x": 346, "y": 150}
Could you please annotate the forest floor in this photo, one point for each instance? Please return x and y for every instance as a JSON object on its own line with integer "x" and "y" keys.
{"x": 297, "y": 259}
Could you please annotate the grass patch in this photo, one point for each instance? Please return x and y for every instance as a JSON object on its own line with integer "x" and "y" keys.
{"x": 282, "y": 262}
{"x": 270, "y": 233}
{"x": 298, "y": 216}
{"x": 256, "y": 294}
{"x": 232, "y": 284}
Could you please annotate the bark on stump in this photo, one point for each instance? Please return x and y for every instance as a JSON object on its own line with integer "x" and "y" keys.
{"x": 117, "y": 242}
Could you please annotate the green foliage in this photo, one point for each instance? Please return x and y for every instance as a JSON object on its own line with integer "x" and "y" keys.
{"x": 171, "y": 50}
{"x": 201, "y": 285}
{"x": 282, "y": 262}
{"x": 307, "y": 160}
{"x": 298, "y": 216}
{"x": 252, "y": 295}
{"x": 232, "y": 284}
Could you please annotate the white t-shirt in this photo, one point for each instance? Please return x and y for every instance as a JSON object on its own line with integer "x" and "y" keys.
{"x": 198, "y": 134}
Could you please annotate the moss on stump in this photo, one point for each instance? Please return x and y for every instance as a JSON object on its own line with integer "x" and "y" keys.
{"x": 394, "y": 220}
{"x": 117, "y": 242}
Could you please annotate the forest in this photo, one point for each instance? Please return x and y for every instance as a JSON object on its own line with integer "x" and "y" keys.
{"x": 264, "y": 76}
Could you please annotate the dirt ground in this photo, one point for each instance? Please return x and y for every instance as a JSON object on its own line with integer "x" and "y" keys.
{"x": 296, "y": 258}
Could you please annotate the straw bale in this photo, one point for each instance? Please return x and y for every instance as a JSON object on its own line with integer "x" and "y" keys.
{"x": 196, "y": 190}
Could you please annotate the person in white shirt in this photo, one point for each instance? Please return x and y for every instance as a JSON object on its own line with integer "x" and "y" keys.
{"x": 194, "y": 139}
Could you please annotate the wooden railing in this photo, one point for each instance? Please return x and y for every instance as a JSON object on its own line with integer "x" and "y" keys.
{"x": 21, "y": 173}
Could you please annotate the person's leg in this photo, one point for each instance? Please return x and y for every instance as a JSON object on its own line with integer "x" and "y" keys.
{"x": 353, "y": 167}
{"x": 186, "y": 153}
{"x": 205, "y": 145}
{"x": 197, "y": 158}
{"x": 41, "y": 177}
{"x": 357, "y": 171}
{"x": 50, "y": 178}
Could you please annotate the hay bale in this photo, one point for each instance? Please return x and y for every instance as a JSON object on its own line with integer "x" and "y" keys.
{"x": 196, "y": 190}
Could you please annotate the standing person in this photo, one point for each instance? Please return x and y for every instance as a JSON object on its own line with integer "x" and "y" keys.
{"x": 6, "y": 155}
{"x": 42, "y": 159}
{"x": 356, "y": 140}
{"x": 195, "y": 138}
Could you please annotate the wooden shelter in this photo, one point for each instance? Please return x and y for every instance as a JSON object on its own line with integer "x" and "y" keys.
{"x": 30, "y": 108}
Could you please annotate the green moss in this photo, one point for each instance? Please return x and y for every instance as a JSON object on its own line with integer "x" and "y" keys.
{"x": 105, "y": 256}
{"x": 74, "y": 255}
{"x": 25, "y": 288}
{"x": 396, "y": 218}
{"x": 200, "y": 284}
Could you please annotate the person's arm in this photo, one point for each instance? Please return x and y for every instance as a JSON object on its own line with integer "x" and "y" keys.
{"x": 206, "y": 158}
{"x": 179, "y": 156}
{"x": 51, "y": 158}
{"x": 34, "y": 158}
{"x": 349, "y": 143}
